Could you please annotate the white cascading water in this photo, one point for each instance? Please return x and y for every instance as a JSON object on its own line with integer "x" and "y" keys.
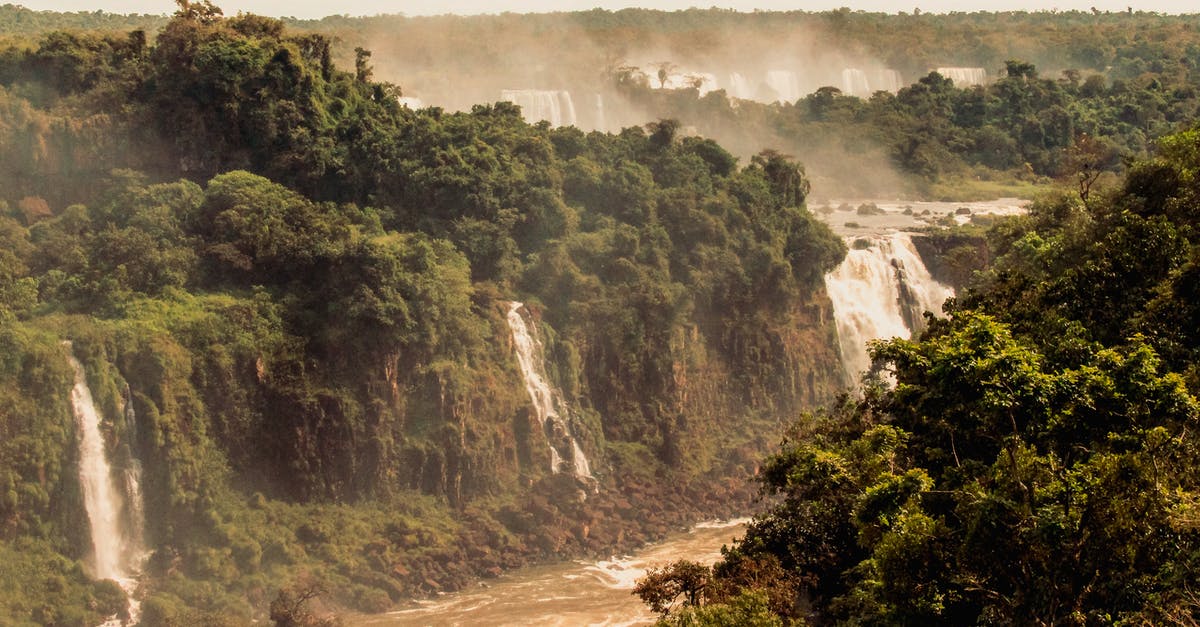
{"x": 786, "y": 85}
{"x": 739, "y": 87}
{"x": 601, "y": 119}
{"x": 886, "y": 80}
{"x": 548, "y": 404}
{"x": 553, "y": 106}
{"x": 703, "y": 82}
{"x": 114, "y": 515}
{"x": 964, "y": 76}
{"x": 855, "y": 83}
{"x": 880, "y": 291}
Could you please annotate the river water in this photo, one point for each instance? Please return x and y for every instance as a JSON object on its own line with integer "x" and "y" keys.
{"x": 571, "y": 593}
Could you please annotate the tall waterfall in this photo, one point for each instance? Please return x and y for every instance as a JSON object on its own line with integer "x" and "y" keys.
{"x": 548, "y": 404}
{"x": 880, "y": 291}
{"x": 114, "y": 509}
{"x": 964, "y": 76}
{"x": 552, "y": 106}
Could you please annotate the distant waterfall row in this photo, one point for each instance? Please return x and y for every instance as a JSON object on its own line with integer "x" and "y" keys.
{"x": 114, "y": 507}
{"x": 880, "y": 291}
{"x": 548, "y": 404}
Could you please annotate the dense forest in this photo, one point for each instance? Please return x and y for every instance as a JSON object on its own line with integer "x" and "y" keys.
{"x": 289, "y": 293}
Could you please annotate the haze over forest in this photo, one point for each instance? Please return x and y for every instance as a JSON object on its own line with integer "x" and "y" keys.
{"x": 329, "y": 321}
{"x": 310, "y": 9}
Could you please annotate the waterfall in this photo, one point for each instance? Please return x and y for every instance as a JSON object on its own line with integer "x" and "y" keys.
{"x": 548, "y": 404}
{"x": 411, "y": 102}
{"x": 739, "y": 87}
{"x": 880, "y": 291}
{"x": 886, "y": 80}
{"x": 114, "y": 510}
{"x": 785, "y": 84}
{"x": 964, "y": 76}
{"x": 855, "y": 83}
{"x": 568, "y": 109}
{"x": 703, "y": 82}
{"x": 601, "y": 120}
{"x": 555, "y": 107}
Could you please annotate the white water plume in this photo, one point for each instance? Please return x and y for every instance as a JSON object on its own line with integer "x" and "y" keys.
{"x": 964, "y": 76}
{"x": 880, "y": 291}
{"x": 565, "y": 594}
{"x": 114, "y": 510}
{"x": 548, "y": 404}
{"x": 739, "y": 87}
{"x": 553, "y": 106}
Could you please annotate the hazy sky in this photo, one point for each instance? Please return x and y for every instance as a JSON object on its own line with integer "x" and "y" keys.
{"x": 317, "y": 8}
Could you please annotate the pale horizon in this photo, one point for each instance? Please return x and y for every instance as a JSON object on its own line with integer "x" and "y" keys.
{"x": 310, "y": 9}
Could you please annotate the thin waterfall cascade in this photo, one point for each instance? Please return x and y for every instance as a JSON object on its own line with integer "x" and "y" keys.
{"x": 964, "y": 76}
{"x": 548, "y": 404}
{"x": 115, "y": 509}
{"x": 880, "y": 291}
{"x": 553, "y": 106}
{"x": 739, "y": 87}
{"x": 886, "y": 80}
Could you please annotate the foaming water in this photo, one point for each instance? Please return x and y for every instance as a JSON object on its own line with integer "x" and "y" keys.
{"x": 572, "y": 593}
